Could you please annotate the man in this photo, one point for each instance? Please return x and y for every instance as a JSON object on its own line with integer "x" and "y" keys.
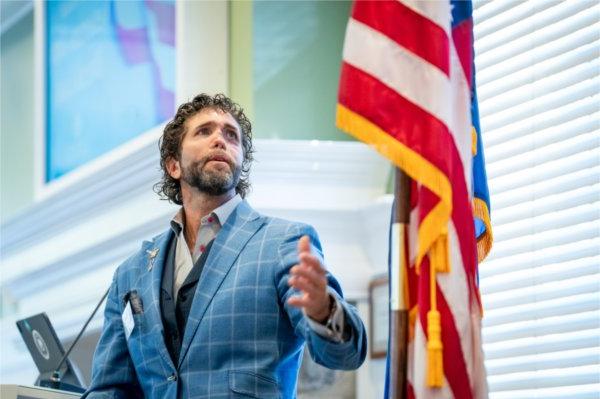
{"x": 221, "y": 304}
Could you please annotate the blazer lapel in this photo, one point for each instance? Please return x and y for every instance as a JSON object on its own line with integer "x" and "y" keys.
{"x": 156, "y": 253}
{"x": 241, "y": 225}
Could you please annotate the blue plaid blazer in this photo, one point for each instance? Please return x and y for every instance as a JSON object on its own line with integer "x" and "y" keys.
{"x": 241, "y": 340}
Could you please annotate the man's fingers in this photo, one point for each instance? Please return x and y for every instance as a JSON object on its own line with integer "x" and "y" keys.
{"x": 309, "y": 278}
{"x": 304, "y": 245}
{"x": 306, "y": 257}
{"x": 316, "y": 276}
{"x": 297, "y": 301}
{"x": 302, "y": 301}
{"x": 306, "y": 285}
{"x": 312, "y": 262}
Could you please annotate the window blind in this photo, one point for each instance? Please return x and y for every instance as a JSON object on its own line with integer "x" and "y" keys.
{"x": 538, "y": 79}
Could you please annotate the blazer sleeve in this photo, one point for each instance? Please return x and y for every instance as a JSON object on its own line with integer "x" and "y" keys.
{"x": 346, "y": 355}
{"x": 113, "y": 374}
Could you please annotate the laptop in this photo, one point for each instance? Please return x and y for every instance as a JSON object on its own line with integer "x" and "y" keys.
{"x": 47, "y": 351}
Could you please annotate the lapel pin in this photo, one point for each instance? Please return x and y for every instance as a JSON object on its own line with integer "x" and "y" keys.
{"x": 151, "y": 255}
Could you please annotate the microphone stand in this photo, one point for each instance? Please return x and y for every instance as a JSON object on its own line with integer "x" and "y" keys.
{"x": 55, "y": 379}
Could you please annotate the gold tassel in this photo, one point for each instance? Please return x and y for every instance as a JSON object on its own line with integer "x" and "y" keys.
{"x": 440, "y": 257}
{"x": 435, "y": 361}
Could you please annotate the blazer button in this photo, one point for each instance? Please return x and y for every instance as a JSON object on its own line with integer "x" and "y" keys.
{"x": 172, "y": 377}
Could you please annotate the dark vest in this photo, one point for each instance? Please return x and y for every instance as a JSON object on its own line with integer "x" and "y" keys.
{"x": 175, "y": 314}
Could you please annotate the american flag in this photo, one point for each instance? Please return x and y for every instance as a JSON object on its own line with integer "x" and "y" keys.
{"x": 406, "y": 88}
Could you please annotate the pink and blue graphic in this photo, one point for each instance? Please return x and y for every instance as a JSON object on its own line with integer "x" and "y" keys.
{"x": 110, "y": 76}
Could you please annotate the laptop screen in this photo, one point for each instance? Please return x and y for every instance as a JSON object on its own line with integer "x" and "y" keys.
{"x": 45, "y": 348}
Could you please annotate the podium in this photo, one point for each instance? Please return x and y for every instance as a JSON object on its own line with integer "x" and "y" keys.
{"x": 8, "y": 391}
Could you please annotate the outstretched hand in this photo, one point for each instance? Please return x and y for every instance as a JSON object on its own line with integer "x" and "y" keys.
{"x": 309, "y": 277}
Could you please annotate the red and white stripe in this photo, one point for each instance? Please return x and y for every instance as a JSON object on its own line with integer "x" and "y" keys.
{"x": 403, "y": 58}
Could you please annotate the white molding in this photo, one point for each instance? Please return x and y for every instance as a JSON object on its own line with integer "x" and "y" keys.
{"x": 291, "y": 177}
{"x": 107, "y": 162}
{"x": 112, "y": 177}
{"x": 322, "y": 175}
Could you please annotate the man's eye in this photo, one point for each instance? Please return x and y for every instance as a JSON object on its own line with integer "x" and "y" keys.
{"x": 204, "y": 131}
{"x": 232, "y": 135}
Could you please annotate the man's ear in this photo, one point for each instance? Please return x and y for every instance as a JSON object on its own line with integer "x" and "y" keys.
{"x": 173, "y": 168}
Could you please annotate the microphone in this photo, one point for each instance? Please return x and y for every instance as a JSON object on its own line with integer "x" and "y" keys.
{"x": 55, "y": 379}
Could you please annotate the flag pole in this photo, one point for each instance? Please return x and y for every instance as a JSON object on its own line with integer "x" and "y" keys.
{"x": 398, "y": 306}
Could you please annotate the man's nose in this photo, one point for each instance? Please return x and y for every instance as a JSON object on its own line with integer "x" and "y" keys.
{"x": 219, "y": 139}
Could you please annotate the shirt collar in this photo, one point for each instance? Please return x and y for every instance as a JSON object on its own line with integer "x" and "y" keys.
{"x": 222, "y": 213}
{"x": 227, "y": 208}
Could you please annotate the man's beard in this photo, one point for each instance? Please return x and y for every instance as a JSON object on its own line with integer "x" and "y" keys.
{"x": 212, "y": 182}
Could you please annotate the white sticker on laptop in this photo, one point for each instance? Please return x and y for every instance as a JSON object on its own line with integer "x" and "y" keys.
{"x": 128, "y": 322}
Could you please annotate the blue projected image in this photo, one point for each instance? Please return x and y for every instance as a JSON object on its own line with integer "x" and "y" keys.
{"x": 110, "y": 76}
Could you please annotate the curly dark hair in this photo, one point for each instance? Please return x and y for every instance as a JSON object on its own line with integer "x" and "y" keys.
{"x": 170, "y": 143}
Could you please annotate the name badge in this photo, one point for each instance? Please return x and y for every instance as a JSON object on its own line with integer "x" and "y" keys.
{"x": 128, "y": 322}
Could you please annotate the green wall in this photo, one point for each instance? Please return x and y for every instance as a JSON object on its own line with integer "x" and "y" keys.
{"x": 285, "y": 63}
{"x": 16, "y": 118}
{"x": 240, "y": 55}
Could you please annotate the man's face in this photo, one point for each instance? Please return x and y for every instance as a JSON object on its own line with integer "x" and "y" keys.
{"x": 211, "y": 153}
